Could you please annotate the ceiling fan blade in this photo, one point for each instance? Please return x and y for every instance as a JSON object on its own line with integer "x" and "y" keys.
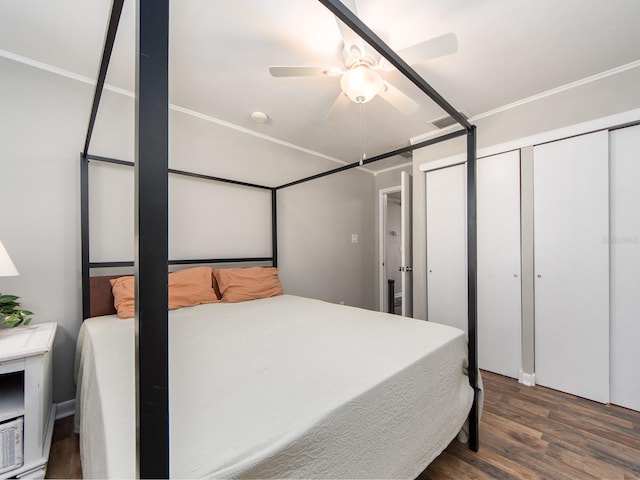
{"x": 421, "y": 52}
{"x": 351, "y": 5}
{"x": 349, "y": 37}
{"x": 303, "y": 71}
{"x": 399, "y": 100}
{"x": 338, "y": 108}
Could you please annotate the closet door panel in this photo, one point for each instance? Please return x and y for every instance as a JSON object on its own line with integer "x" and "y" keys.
{"x": 446, "y": 246}
{"x": 571, "y": 221}
{"x": 625, "y": 267}
{"x": 499, "y": 288}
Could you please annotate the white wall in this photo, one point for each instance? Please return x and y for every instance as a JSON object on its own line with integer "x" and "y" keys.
{"x": 42, "y": 127}
{"x": 206, "y": 219}
{"x": 316, "y": 221}
{"x": 41, "y": 124}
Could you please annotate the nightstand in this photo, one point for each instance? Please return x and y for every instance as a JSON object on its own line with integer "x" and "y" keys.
{"x": 27, "y": 413}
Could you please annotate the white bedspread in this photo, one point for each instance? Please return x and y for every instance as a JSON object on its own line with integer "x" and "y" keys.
{"x": 280, "y": 387}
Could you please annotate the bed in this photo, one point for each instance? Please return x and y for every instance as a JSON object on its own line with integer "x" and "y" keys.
{"x": 279, "y": 387}
{"x": 391, "y": 426}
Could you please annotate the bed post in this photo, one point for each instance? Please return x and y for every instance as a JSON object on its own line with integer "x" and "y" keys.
{"x": 84, "y": 234}
{"x": 274, "y": 226}
{"x": 472, "y": 305}
{"x": 151, "y": 233}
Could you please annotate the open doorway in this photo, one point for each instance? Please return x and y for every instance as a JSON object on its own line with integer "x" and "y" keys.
{"x": 392, "y": 251}
{"x": 395, "y": 279}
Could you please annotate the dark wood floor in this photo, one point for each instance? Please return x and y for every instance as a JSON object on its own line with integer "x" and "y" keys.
{"x": 526, "y": 433}
{"x": 64, "y": 457}
{"x": 538, "y": 433}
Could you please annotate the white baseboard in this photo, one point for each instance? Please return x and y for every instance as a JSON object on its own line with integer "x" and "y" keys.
{"x": 528, "y": 379}
{"x": 65, "y": 409}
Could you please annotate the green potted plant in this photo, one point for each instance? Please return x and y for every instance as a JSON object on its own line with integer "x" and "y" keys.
{"x": 10, "y": 313}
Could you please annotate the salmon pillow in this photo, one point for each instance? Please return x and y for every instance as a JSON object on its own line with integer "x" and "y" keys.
{"x": 191, "y": 286}
{"x": 241, "y": 284}
{"x": 123, "y": 289}
{"x": 188, "y": 287}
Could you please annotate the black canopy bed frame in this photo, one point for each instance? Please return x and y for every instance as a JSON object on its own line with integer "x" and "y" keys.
{"x": 151, "y": 196}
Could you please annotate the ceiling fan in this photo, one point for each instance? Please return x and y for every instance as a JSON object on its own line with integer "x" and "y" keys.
{"x": 360, "y": 77}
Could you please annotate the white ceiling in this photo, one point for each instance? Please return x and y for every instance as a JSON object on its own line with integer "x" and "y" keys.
{"x": 221, "y": 51}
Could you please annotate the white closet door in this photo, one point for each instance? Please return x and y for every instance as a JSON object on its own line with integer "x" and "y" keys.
{"x": 447, "y": 246}
{"x": 625, "y": 267}
{"x": 499, "y": 288}
{"x": 571, "y": 201}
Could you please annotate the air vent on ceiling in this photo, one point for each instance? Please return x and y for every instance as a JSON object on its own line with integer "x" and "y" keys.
{"x": 446, "y": 121}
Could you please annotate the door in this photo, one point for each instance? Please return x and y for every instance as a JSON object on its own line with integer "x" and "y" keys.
{"x": 406, "y": 251}
{"x": 499, "y": 284}
{"x": 571, "y": 225}
{"x": 624, "y": 242}
{"x": 447, "y": 246}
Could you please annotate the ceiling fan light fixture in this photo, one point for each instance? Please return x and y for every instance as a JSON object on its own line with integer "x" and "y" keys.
{"x": 361, "y": 83}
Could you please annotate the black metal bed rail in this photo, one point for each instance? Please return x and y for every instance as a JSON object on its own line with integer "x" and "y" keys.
{"x": 196, "y": 261}
{"x": 110, "y": 37}
{"x": 183, "y": 173}
{"x": 382, "y": 156}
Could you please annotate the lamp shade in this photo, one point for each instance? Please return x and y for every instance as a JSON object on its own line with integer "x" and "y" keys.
{"x": 360, "y": 83}
{"x": 7, "y": 268}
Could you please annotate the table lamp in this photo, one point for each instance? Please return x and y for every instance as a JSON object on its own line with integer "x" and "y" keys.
{"x": 7, "y": 268}
{"x": 10, "y": 313}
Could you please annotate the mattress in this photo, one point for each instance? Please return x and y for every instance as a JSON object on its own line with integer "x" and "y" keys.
{"x": 279, "y": 387}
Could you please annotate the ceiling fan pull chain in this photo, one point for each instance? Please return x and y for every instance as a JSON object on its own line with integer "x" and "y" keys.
{"x": 362, "y": 136}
